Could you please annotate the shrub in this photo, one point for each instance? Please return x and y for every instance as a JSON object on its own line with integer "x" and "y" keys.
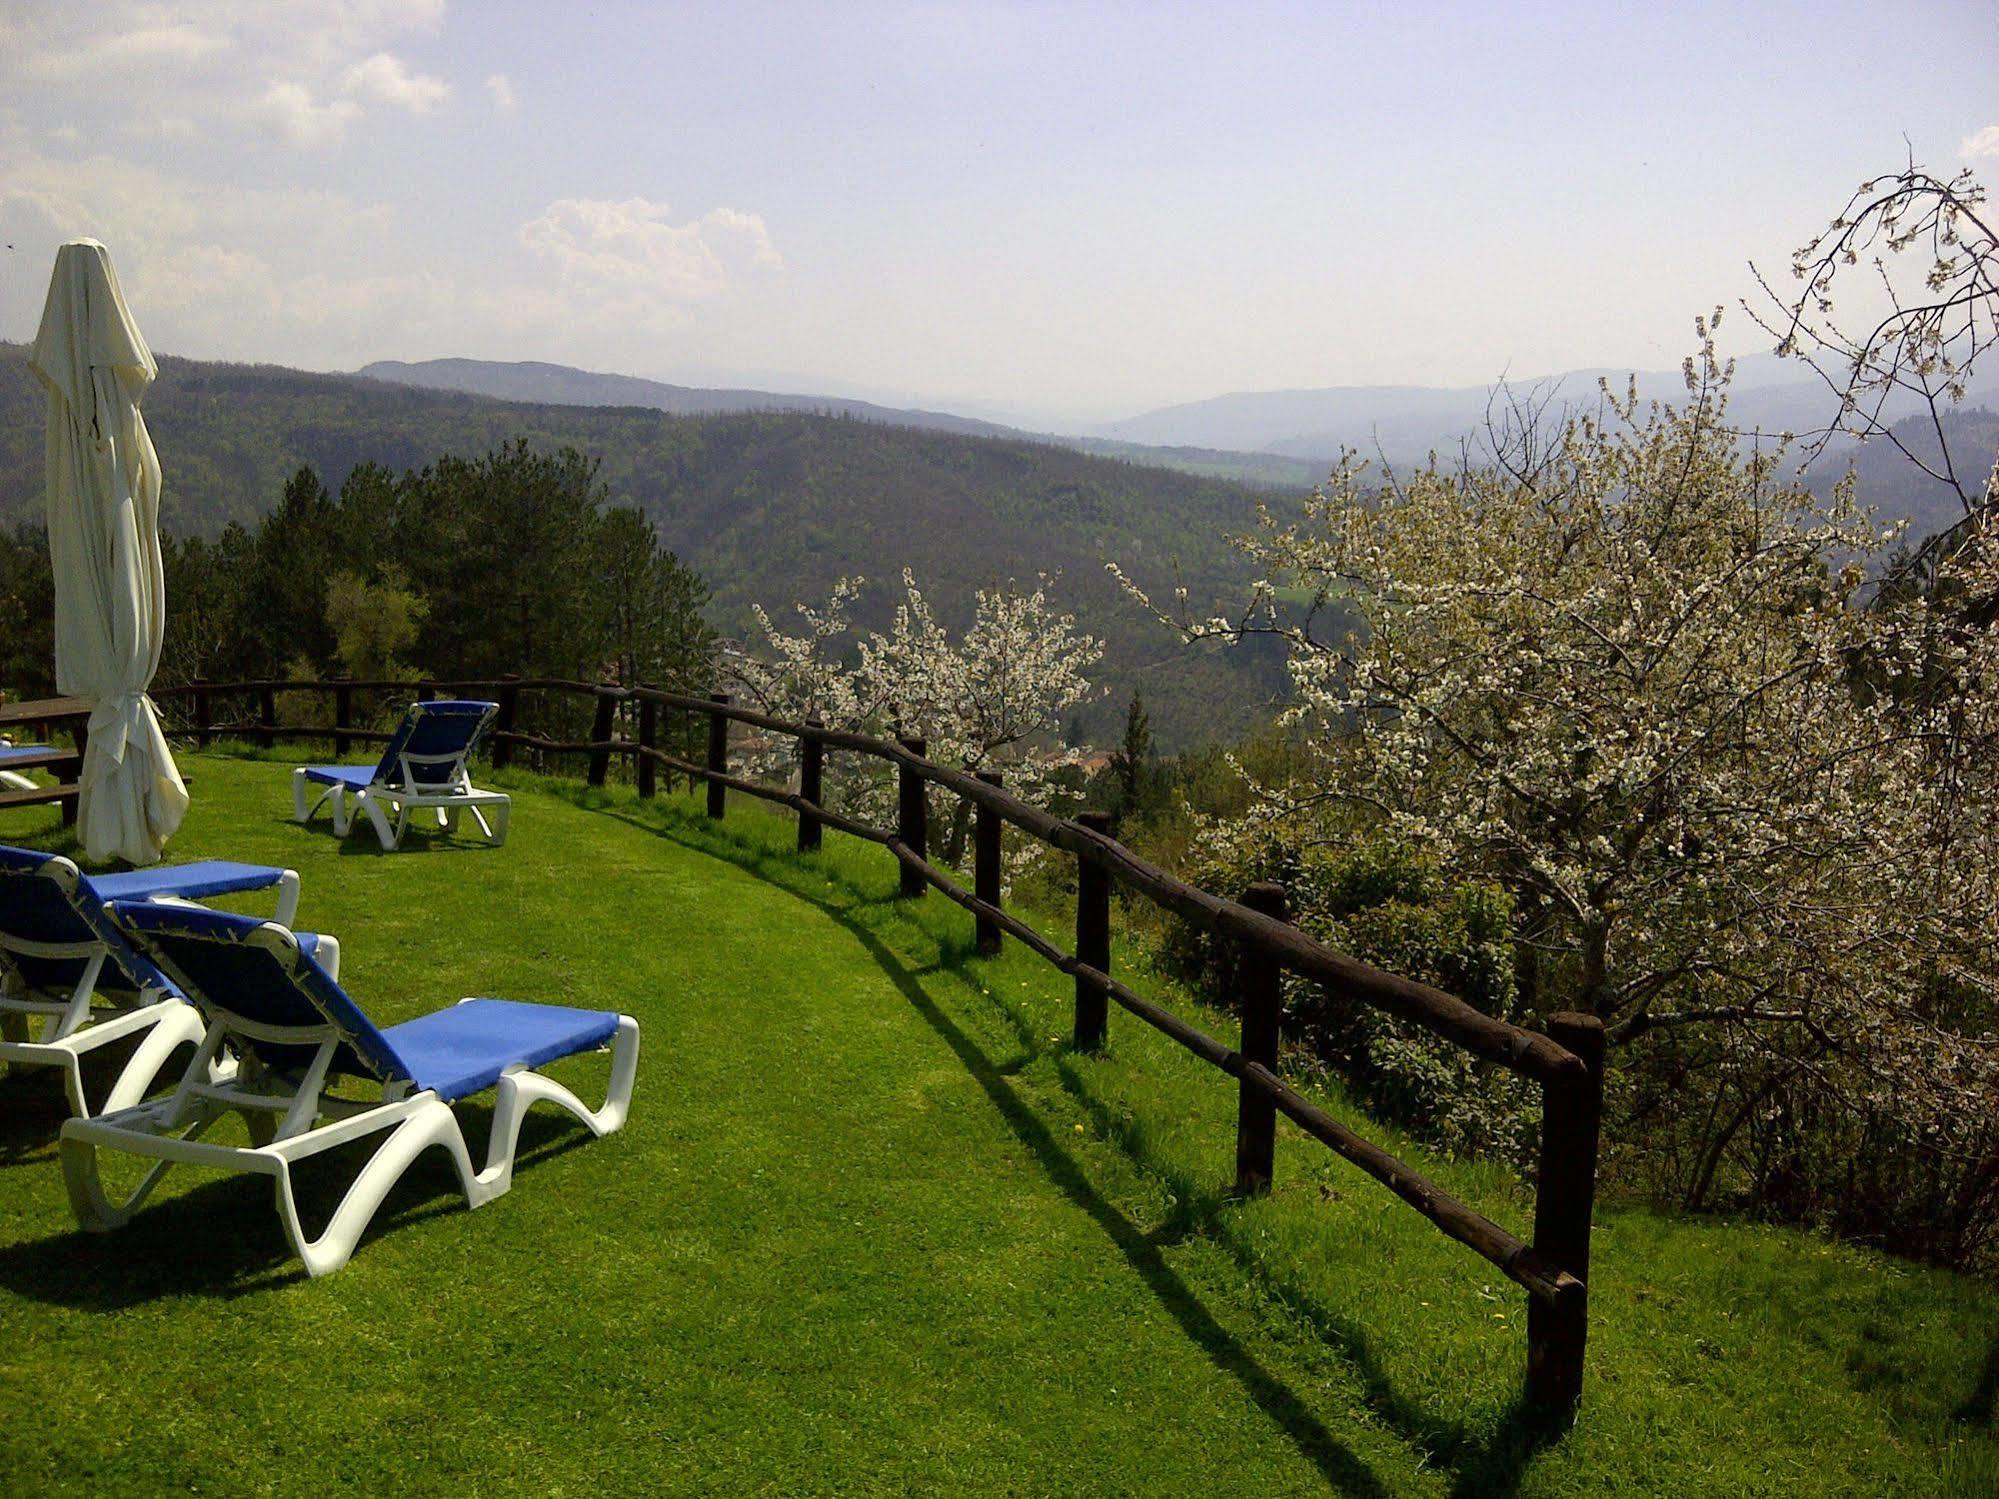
{"x": 1388, "y": 907}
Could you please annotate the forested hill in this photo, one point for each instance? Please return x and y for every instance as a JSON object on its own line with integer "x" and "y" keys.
{"x": 770, "y": 506}
{"x": 561, "y": 385}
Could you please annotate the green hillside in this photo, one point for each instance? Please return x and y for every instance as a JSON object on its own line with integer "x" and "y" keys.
{"x": 770, "y": 507}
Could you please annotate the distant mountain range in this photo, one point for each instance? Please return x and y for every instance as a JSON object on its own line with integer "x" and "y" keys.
{"x": 1280, "y": 439}
{"x": 1405, "y": 423}
{"x": 561, "y": 385}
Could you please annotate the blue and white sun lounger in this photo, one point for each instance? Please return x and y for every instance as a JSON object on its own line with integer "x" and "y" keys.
{"x": 292, "y": 1028}
{"x": 33, "y": 754}
{"x": 423, "y": 766}
{"x": 70, "y": 982}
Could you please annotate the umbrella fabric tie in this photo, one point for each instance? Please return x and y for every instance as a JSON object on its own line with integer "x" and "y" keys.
{"x": 115, "y": 719}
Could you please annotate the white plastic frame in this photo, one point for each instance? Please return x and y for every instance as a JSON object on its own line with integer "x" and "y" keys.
{"x": 293, "y": 1120}
{"x": 447, "y": 800}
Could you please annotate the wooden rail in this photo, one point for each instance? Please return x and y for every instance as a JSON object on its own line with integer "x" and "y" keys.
{"x": 1567, "y": 1062}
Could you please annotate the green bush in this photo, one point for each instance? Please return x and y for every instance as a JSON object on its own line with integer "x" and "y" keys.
{"x": 1388, "y": 908}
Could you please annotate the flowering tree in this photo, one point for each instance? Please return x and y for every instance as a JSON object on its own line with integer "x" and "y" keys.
{"x": 1929, "y": 311}
{"x": 1641, "y": 684}
{"x": 991, "y": 699}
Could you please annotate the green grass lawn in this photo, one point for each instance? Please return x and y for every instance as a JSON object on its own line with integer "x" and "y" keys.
{"x": 873, "y": 1227}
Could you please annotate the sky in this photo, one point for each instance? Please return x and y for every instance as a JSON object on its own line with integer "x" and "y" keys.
{"x": 1052, "y": 213}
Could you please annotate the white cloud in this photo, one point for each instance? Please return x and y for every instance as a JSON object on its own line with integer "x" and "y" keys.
{"x": 290, "y": 107}
{"x": 138, "y": 40}
{"x": 216, "y": 268}
{"x": 309, "y": 68}
{"x": 1980, "y": 143}
{"x": 500, "y": 89}
{"x": 385, "y": 79}
{"x": 630, "y": 248}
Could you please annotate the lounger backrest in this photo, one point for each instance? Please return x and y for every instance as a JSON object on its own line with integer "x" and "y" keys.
{"x": 251, "y": 975}
{"x": 431, "y": 744}
{"x": 46, "y": 903}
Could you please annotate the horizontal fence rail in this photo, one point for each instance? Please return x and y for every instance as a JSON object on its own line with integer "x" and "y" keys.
{"x": 1567, "y": 1061}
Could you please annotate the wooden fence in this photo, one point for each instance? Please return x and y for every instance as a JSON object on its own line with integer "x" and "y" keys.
{"x": 1567, "y": 1061}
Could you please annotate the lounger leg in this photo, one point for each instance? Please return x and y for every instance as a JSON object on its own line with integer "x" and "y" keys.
{"x": 426, "y": 1127}
{"x": 178, "y": 1026}
{"x": 302, "y": 812}
{"x": 94, "y": 1211}
{"x": 502, "y": 813}
{"x": 342, "y": 818}
{"x": 373, "y": 807}
{"x": 521, "y": 1090}
{"x": 72, "y": 1085}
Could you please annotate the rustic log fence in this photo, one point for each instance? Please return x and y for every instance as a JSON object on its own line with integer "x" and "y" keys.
{"x": 1567, "y": 1062}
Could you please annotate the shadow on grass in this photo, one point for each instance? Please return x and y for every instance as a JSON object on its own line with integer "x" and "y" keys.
{"x": 1977, "y": 1409}
{"x": 222, "y": 1239}
{"x": 360, "y": 840}
{"x": 1492, "y": 1467}
{"x": 1487, "y": 1456}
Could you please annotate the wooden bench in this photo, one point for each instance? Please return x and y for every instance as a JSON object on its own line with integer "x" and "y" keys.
{"x": 44, "y": 716}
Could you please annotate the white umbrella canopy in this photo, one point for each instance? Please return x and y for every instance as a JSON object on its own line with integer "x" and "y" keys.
{"x": 103, "y": 481}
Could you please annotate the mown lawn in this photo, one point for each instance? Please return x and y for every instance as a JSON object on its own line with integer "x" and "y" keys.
{"x": 873, "y": 1227}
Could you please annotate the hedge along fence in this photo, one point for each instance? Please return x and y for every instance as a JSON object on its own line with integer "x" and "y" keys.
{"x": 1567, "y": 1061}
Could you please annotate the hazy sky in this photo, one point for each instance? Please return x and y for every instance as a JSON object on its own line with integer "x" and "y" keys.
{"x": 1061, "y": 209}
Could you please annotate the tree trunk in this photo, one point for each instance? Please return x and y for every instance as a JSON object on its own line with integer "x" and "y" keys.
{"x": 960, "y": 830}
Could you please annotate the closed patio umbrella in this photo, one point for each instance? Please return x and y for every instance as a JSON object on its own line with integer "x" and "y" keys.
{"x": 103, "y": 480}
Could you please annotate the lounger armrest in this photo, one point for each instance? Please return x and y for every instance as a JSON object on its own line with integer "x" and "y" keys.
{"x": 200, "y": 882}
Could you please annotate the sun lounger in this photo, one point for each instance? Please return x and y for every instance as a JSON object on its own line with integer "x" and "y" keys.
{"x": 294, "y": 1029}
{"x": 424, "y": 766}
{"x": 70, "y": 982}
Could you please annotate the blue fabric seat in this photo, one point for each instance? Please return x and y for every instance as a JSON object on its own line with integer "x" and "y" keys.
{"x": 435, "y": 735}
{"x": 229, "y": 966}
{"x": 341, "y": 775}
{"x": 463, "y": 1050}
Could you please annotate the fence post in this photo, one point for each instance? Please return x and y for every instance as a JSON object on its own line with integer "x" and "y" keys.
{"x": 201, "y": 714}
{"x": 648, "y": 739}
{"x": 267, "y": 715}
{"x": 718, "y": 754}
{"x": 426, "y": 693}
{"x": 343, "y": 718}
{"x": 811, "y": 785}
{"x": 600, "y": 733}
{"x": 1093, "y": 939}
{"x": 986, "y": 868}
{"x": 503, "y": 747}
{"x": 80, "y": 731}
{"x": 1261, "y": 982}
{"x": 912, "y": 821}
{"x": 1571, "y": 1121}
